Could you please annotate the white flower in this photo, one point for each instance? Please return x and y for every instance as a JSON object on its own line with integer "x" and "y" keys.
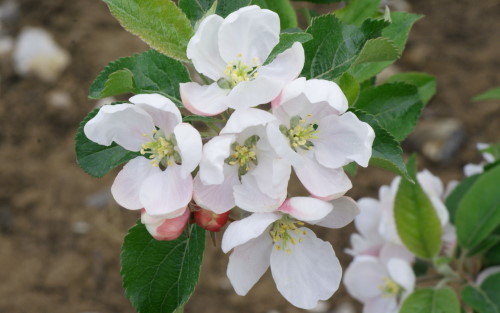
{"x": 232, "y": 52}
{"x": 381, "y": 287}
{"x": 473, "y": 169}
{"x": 304, "y": 267}
{"x": 318, "y": 136}
{"x": 160, "y": 180}
{"x": 239, "y": 167}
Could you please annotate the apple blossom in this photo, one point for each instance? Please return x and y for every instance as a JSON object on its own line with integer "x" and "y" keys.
{"x": 165, "y": 228}
{"x": 209, "y": 220}
{"x": 303, "y": 266}
{"x": 316, "y": 134}
{"x": 472, "y": 169}
{"x": 231, "y": 51}
{"x": 160, "y": 179}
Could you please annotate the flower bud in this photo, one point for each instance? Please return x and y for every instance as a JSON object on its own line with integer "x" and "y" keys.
{"x": 210, "y": 220}
{"x": 165, "y": 228}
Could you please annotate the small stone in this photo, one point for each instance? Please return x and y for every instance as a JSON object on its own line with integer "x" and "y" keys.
{"x": 9, "y": 12}
{"x": 99, "y": 200}
{"x": 273, "y": 311}
{"x": 104, "y": 101}
{"x": 322, "y": 307}
{"x": 345, "y": 307}
{"x": 6, "y": 46}
{"x": 37, "y": 53}
{"x": 59, "y": 99}
{"x": 80, "y": 228}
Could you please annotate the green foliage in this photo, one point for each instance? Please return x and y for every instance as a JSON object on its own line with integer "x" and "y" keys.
{"x": 161, "y": 24}
{"x": 335, "y": 46}
{"x": 350, "y": 87}
{"x": 492, "y": 94}
{"x": 321, "y": 1}
{"x": 286, "y": 12}
{"x": 457, "y": 194}
{"x": 484, "y": 299}
{"x": 95, "y": 159}
{"x": 148, "y": 72}
{"x": 430, "y": 300}
{"x": 478, "y": 212}
{"x": 397, "y": 107}
{"x": 357, "y": 11}
{"x": 377, "y": 50}
{"x": 425, "y": 83}
{"x": 416, "y": 219}
{"x": 226, "y": 7}
{"x": 494, "y": 150}
{"x": 286, "y": 42}
{"x": 195, "y": 9}
{"x": 160, "y": 276}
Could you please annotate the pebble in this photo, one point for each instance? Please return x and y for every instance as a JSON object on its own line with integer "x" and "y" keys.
{"x": 345, "y": 307}
{"x": 99, "y": 200}
{"x": 59, "y": 99}
{"x": 322, "y": 307}
{"x": 80, "y": 228}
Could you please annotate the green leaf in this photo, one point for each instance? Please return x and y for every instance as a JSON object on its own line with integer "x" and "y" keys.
{"x": 485, "y": 245}
{"x": 492, "y": 256}
{"x": 95, "y": 159}
{"x": 286, "y": 42}
{"x": 226, "y": 7}
{"x": 457, "y": 194}
{"x": 160, "y": 23}
{"x": 335, "y": 46}
{"x": 416, "y": 219}
{"x": 430, "y": 300}
{"x": 478, "y": 300}
{"x": 478, "y": 213}
{"x": 288, "y": 18}
{"x": 397, "y": 31}
{"x": 198, "y": 118}
{"x": 493, "y": 149}
{"x": 377, "y": 50}
{"x": 150, "y": 72}
{"x": 195, "y": 9}
{"x": 386, "y": 151}
{"x": 396, "y": 106}
{"x": 351, "y": 168}
{"x": 350, "y": 87}
{"x": 492, "y": 94}
{"x": 160, "y": 276}
{"x": 357, "y": 11}
{"x": 425, "y": 83}
{"x": 321, "y": 1}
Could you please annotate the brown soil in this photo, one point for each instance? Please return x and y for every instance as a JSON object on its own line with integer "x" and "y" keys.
{"x": 60, "y": 231}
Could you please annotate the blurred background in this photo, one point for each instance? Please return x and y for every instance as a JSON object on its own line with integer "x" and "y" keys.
{"x": 61, "y": 231}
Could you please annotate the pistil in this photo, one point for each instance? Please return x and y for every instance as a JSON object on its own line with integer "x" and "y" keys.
{"x": 161, "y": 150}
{"x": 300, "y": 133}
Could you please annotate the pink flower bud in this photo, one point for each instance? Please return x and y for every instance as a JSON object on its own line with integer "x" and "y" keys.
{"x": 209, "y": 220}
{"x": 165, "y": 228}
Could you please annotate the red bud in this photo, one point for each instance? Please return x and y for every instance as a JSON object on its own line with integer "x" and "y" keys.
{"x": 210, "y": 220}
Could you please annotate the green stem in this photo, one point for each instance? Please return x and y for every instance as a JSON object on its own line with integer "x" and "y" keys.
{"x": 179, "y": 309}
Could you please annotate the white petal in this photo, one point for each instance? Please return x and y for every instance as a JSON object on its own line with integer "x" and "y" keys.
{"x": 249, "y": 262}
{"x": 473, "y": 169}
{"x": 249, "y": 197}
{"x": 286, "y": 66}
{"x": 217, "y": 198}
{"x": 322, "y": 182}
{"x": 212, "y": 162}
{"x": 128, "y": 182}
{"x": 291, "y": 91}
{"x": 251, "y": 32}
{"x": 487, "y": 273}
{"x": 309, "y": 273}
{"x": 245, "y": 118}
{"x": 167, "y": 228}
{"x": 365, "y": 245}
{"x": 206, "y": 100}
{"x": 391, "y": 250}
{"x": 203, "y": 48}
{"x": 123, "y": 123}
{"x": 271, "y": 174}
{"x": 344, "y": 211}
{"x": 306, "y": 208}
{"x": 281, "y": 145}
{"x": 364, "y": 276}
{"x": 431, "y": 184}
{"x": 189, "y": 145}
{"x": 163, "y": 111}
{"x": 369, "y": 218}
{"x": 381, "y": 305}
{"x": 240, "y": 232}
{"x": 319, "y": 90}
{"x": 166, "y": 192}
{"x": 343, "y": 139}
{"x": 402, "y": 273}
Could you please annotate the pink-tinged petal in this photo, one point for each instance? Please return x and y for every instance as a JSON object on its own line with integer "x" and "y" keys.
{"x": 249, "y": 197}
{"x": 250, "y": 32}
{"x": 205, "y": 100}
{"x": 481, "y": 277}
{"x": 322, "y": 182}
{"x": 128, "y": 182}
{"x": 219, "y": 197}
{"x": 343, "y": 139}
{"x": 245, "y": 118}
{"x": 381, "y": 305}
{"x": 281, "y": 145}
{"x": 365, "y": 245}
{"x": 306, "y": 208}
{"x": 167, "y": 229}
{"x": 203, "y": 48}
{"x": 364, "y": 276}
{"x": 242, "y": 231}
{"x": 308, "y": 272}
{"x": 166, "y": 192}
{"x": 212, "y": 164}
{"x": 249, "y": 262}
{"x": 189, "y": 145}
{"x": 391, "y": 250}
{"x": 162, "y": 110}
{"x": 344, "y": 211}
{"x": 401, "y": 272}
{"x": 291, "y": 91}
{"x": 123, "y": 123}
{"x": 319, "y": 90}
{"x": 272, "y": 174}
{"x": 369, "y": 218}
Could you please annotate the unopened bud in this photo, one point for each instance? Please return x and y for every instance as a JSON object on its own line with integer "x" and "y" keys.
{"x": 165, "y": 228}
{"x": 210, "y": 220}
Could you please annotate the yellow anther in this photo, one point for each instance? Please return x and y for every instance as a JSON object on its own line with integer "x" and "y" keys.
{"x": 390, "y": 288}
{"x": 280, "y": 232}
{"x": 161, "y": 150}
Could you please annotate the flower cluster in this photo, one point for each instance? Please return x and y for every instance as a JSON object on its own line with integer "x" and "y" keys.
{"x": 381, "y": 274}
{"x": 248, "y": 163}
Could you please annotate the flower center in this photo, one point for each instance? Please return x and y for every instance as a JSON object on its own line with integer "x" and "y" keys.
{"x": 237, "y": 72}
{"x": 244, "y": 155}
{"x": 390, "y": 288}
{"x": 300, "y": 132}
{"x": 280, "y": 232}
{"x": 161, "y": 150}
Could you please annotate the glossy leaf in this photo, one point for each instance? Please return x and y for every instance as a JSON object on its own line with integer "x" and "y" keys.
{"x": 457, "y": 194}
{"x": 425, "y": 83}
{"x": 350, "y": 87}
{"x": 226, "y": 7}
{"x": 492, "y": 94}
{"x": 357, "y": 11}
{"x": 195, "y": 9}
{"x": 286, "y": 42}
{"x": 377, "y": 50}
{"x": 429, "y": 300}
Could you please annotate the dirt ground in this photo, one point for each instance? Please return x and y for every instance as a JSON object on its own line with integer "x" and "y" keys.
{"x": 60, "y": 230}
